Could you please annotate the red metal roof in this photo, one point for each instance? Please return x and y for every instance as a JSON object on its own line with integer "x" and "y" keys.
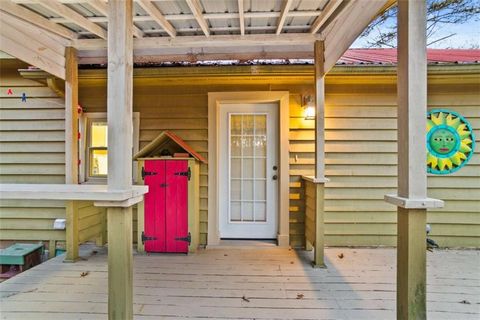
{"x": 389, "y": 56}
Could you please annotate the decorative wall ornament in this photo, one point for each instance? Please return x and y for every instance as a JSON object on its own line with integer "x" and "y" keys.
{"x": 450, "y": 141}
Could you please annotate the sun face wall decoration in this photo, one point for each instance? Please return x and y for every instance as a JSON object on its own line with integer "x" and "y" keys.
{"x": 450, "y": 141}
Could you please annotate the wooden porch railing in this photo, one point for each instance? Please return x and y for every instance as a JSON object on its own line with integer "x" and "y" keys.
{"x": 314, "y": 215}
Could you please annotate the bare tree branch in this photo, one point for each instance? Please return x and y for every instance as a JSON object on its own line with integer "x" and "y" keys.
{"x": 382, "y": 31}
{"x": 441, "y": 39}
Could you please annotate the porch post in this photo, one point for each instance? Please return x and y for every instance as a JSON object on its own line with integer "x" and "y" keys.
{"x": 319, "y": 54}
{"x": 412, "y": 198}
{"x": 71, "y": 149}
{"x": 120, "y": 129}
{"x": 71, "y": 116}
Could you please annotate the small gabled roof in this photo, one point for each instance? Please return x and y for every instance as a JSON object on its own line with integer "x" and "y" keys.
{"x": 167, "y": 141}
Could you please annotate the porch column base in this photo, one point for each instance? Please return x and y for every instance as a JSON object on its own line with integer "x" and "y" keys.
{"x": 411, "y": 254}
{"x": 411, "y": 264}
{"x": 120, "y": 263}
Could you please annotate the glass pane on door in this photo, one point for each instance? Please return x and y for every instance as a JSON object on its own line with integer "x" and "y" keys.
{"x": 247, "y": 163}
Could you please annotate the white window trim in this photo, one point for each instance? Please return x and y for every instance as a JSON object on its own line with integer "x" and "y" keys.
{"x": 82, "y": 147}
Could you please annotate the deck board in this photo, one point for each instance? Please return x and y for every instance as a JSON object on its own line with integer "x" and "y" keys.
{"x": 276, "y": 284}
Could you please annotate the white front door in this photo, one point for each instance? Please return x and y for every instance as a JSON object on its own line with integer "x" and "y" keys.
{"x": 248, "y": 171}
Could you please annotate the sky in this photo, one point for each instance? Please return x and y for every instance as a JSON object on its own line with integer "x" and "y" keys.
{"x": 466, "y": 36}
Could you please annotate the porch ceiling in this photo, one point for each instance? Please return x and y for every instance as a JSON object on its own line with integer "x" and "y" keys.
{"x": 192, "y": 30}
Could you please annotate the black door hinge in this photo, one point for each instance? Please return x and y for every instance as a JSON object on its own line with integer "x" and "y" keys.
{"x": 187, "y": 173}
{"x": 147, "y": 173}
{"x": 186, "y": 239}
{"x": 147, "y": 238}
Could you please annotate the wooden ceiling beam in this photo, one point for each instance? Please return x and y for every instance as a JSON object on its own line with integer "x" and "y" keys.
{"x": 347, "y": 26}
{"x": 208, "y": 16}
{"x": 61, "y": 1}
{"x": 186, "y": 31}
{"x": 283, "y": 15}
{"x": 73, "y": 17}
{"x": 102, "y": 7}
{"x": 32, "y": 48}
{"x": 224, "y": 41}
{"x": 327, "y": 11}
{"x": 197, "y": 11}
{"x": 194, "y": 57}
{"x": 51, "y": 44}
{"x": 34, "y": 18}
{"x": 158, "y": 17}
{"x": 241, "y": 17}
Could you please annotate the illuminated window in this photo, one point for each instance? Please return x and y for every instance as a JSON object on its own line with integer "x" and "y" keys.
{"x": 93, "y": 146}
{"x": 98, "y": 149}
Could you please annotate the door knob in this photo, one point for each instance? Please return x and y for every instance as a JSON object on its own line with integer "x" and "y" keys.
{"x": 275, "y": 177}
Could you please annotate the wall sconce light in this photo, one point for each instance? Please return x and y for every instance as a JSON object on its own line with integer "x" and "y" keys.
{"x": 308, "y": 103}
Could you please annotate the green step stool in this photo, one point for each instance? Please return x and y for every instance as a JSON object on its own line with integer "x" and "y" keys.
{"x": 19, "y": 257}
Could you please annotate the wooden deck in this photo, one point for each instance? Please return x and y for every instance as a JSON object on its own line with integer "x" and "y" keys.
{"x": 241, "y": 283}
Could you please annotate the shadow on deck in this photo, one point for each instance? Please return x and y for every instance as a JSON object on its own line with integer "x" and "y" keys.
{"x": 245, "y": 283}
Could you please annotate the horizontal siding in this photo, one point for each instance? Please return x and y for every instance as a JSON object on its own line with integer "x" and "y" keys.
{"x": 31, "y": 220}
{"x": 185, "y": 115}
{"x": 91, "y": 221}
{"x": 31, "y": 151}
{"x": 361, "y": 162}
{"x": 361, "y": 154}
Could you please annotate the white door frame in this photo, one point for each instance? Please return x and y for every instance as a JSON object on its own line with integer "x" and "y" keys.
{"x": 215, "y": 100}
{"x": 268, "y": 228}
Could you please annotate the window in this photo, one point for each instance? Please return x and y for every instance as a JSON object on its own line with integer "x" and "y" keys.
{"x": 97, "y": 148}
{"x": 93, "y": 146}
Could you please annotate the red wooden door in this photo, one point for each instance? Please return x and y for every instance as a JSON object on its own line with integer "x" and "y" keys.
{"x": 166, "y": 205}
{"x": 176, "y": 205}
{"x": 155, "y": 206}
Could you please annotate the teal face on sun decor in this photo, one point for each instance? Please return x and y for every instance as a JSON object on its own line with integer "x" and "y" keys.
{"x": 450, "y": 141}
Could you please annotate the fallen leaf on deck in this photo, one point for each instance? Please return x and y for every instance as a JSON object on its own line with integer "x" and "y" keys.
{"x": 94, "y": 252}
{"x": 84, "y": 274}
{"x": 341, "y": 256}
{"x": 465, "y": 302}
{"x": 225, "y": 255}
{"x": 300, "y": 296}
{"x": 245, "y": 299}
{"x": 291, "y": 262}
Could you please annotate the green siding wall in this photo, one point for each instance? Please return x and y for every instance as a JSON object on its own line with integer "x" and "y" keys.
{"x": 361, "y": 163}
{"x": 31, "y": 151}
{"x": 360, "y": 145}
